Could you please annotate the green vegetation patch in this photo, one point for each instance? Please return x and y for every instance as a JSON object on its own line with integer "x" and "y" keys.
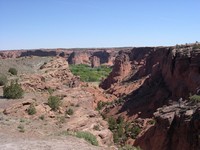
{"x": 3, "y": 80}
{"x": 14, "y": 91}
{"x": 31, "y": 109}
{"x": 69, "y": 111}
{"x": 54, "y": 102}
{"x": 195, "y": 98}
{"x": 89, "y": 74}
{"x": 122, "y": 130}
{"x": 129, "y": 147}
{"x": 13, "y": 71}
{"x": 88, "y": 137}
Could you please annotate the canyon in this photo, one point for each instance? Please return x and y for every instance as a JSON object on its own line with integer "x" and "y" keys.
{"x": 89, "y": 56}
{"x": 149, "y": 78}
{"x": 148, "y": 86}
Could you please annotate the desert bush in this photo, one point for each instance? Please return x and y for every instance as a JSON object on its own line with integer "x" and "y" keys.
{"x": 69, "y": 111}
{"x": 50, "y": 91}
{"x": 54, "y": 102}
{"x": 115, "y": 137}
{"x": 135, "y": 131}
{"x": 31, "y": 109}
{"x": 13, "y": 71}
{"x": 122, "y": 130}
{"x": 21, "y": 128}
{"x": 3, "y": 80}
{"x": 14, "y": 91}
{"x": 96, "y": 127}
{"x": 88, "y": 137}
{"x": 100, "y": 105}
{"x": 195, "y": 98}
{"x": 129, "y": 147}
{"x": 112, "y": 123}
{"x": 120, "y": 120}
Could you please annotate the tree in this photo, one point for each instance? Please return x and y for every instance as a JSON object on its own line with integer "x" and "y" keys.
{"x": 3, "y": 80}
{"x": 14, "y": 91}
{"x": 13, "y": 71}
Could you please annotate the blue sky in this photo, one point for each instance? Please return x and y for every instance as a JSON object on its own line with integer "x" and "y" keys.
{"x": 26, "y": 24}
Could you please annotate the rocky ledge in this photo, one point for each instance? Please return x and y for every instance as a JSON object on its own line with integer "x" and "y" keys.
{"x": 177, "y": 127}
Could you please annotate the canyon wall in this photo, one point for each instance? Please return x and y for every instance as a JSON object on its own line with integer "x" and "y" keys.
{"x": 93, "y": 57}
{"x": 153, "y": 75}
{"x": 177, "y": 128}
{"x": 151, "y": 78}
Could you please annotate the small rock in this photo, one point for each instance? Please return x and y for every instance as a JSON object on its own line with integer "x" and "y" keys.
{"x": 189, "y": 113}
{"x": 51, "y": 115}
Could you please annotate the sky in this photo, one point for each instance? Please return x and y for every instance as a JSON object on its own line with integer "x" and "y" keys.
{"x": 29, "y": 24}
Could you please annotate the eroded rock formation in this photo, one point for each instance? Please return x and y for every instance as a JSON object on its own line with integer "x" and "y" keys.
{"x": 53, "y": 74}
{"x": 151, "y": 76}
{"x": 177, "y": 127}
{"x": 93, "y": 57}
{"x": 146, "y": 79}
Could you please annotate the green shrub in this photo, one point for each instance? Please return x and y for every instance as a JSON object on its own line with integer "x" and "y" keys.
{"x": 96, "y": 127}
{"x": 115, "y": 137}
{"x": 31, "y": 109}
{"x": 3, "y": 80}
{"x": 120, "y": 120}
{"x": 112, "y": 123}
{"x": 14, "y": 91}
{"x": 129, "y": 147}
{"x": 100, "y": 105}
{"x": 21, "y": 128}
{"x": 135, "y": 131}
{"x": 50, "y": 91}
{"x": 54, "y": 102}
{"x": 88, "y": 137}
{"x": 195, "y": 98}
{"x": 69, "y": 111}
{"x": 13, "y": 71}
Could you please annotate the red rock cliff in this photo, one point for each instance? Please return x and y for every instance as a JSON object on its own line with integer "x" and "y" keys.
{"x": 147, "y": 78}
{"x": 93, "y": 57}
{"x": 159, "y": 73}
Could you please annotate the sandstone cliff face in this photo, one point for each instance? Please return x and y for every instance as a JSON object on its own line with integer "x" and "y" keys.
{"x": 147, "y": 78}
{"x": 93, "y": 57}
{"x": 159, "y": 73}
{"x": 177, "y": 127}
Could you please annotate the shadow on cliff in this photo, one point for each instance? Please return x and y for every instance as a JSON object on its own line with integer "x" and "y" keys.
{"x": 41, "y": 53}
{"x": 145, "y": 100}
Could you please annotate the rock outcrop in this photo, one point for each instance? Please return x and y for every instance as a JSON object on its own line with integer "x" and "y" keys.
{"x": 153, "y": 75}
{"x": 149, "y": 78}
{"x": 177, "y": 127}
{"x": 53, "y": 74}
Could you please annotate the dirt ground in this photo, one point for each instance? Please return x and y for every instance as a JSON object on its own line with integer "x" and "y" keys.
{"x": 43, "y": 130}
